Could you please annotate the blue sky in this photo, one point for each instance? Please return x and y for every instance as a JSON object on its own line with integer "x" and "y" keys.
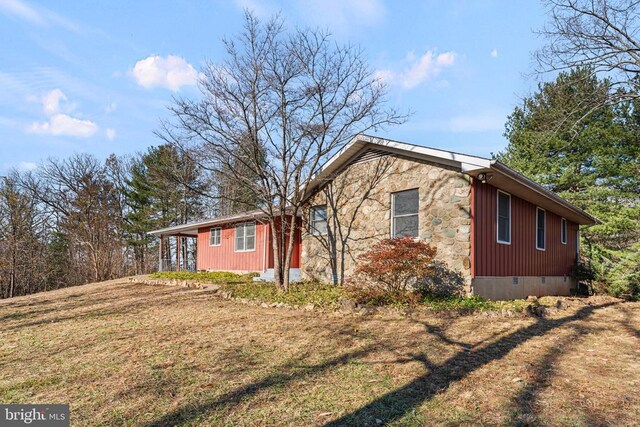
{"x": 97, "y": 76}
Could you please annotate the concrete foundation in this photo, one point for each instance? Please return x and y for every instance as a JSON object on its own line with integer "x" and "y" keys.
{"x": 519, "y": 287}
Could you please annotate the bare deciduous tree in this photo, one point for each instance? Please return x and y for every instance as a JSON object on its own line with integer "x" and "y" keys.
{"x": 345, "y": 195}
{"x": 600, "y": 35}
{"x": 272, "y": 112}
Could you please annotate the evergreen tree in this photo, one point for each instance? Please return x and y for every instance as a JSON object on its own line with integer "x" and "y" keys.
{"x": 590, "y": 156}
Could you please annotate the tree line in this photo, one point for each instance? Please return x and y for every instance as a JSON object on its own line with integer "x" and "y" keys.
{"x": 81, "y": 219}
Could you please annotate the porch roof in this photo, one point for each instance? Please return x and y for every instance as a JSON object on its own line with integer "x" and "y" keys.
{"x": 191, "y": 228}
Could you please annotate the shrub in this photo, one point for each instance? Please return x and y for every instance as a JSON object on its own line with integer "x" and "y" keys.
{"x": 442, "y": 282}
{"x": 394, "y": 266}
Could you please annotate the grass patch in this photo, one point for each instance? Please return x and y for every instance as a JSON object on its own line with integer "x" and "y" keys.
{"x": 205, "y": 277}
{"x": 302, "y": 293}
{"x": 123, "y": 353}
{"x": 470, "y": 304}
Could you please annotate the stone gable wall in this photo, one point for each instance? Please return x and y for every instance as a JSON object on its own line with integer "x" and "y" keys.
{"x": 444, "y": 212}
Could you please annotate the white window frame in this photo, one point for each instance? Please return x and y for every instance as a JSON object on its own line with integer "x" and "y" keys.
{"x": 211, "y": 235}
{"x": 544, "y": 237}
{"x": 244, "y": 237}
{"x": 563, "y": 231}
{"x": 393, "y": 209}
{"x": 312, "y": 221}
{"x": 502, "y": 242}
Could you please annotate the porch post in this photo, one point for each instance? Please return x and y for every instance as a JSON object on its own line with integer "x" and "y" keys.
{"x": 160, "y": 252}
{"x": 178, "y": 253}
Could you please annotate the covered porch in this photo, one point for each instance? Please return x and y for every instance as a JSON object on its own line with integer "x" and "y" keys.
{"x": 178, "y": 252}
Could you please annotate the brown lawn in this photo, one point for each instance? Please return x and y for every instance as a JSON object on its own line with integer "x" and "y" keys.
{"x": 128, "y": 354}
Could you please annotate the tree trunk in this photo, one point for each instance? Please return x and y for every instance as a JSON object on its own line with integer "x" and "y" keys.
{"x": 277, "y": 272}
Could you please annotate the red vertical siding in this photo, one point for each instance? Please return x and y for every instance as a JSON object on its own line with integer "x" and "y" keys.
{"x": 520, "y": 258}
{"x": 225, "y": 258}
{"x": 297, "y": 246}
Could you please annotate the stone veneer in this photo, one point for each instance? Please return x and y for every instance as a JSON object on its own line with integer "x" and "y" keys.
{"x": 444, "y": 212}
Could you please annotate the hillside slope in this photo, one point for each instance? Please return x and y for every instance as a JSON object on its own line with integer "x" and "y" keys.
{"x": 127, "y": 354}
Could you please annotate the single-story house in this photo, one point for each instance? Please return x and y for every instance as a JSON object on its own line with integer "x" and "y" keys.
{"x": 504, "y": 235}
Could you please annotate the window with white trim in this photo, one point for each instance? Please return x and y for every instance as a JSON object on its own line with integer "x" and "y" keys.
{"x": 215, "y": 236}
{"x": 245, "y": 237}
{"x": 541, "y": 223}
{"x": 404, "y": 218}
{"x": 318, "y": 220}
{"x": 504, "y": 218}
{"x": 563, "y": 231}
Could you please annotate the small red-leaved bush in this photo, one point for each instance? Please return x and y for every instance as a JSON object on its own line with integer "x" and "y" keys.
{"x": 395, "y": 265}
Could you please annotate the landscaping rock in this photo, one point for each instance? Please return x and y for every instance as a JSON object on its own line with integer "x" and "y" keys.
{"x": 532, "y": 298}
{"x": 348, "y": 305}
{"x": 538, "y": 310}
{"x": 309, "y": 307}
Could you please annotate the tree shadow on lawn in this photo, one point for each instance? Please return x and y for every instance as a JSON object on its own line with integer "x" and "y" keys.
{"x": 188, "y": 413}
{"x": 627, "y": 323}
{"x": 394, "y": 405}
{"x": 527, "y": 401}
{"x": 89, "y": 308}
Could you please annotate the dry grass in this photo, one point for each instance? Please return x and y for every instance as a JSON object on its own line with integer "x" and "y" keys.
{"x": 128, "y": 354}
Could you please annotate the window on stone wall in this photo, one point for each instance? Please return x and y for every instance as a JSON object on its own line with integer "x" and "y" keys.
{"x": 318, "y": 220}
{"x": 504, "y": 218}
{"x": 404, "y": 218}
{"x": 245, "y": 237}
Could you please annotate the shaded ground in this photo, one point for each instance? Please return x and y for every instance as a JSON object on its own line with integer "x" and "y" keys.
{"x": 128, "y": 354}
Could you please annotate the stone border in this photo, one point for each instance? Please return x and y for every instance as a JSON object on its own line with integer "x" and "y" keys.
{"x": 349, "y": 307}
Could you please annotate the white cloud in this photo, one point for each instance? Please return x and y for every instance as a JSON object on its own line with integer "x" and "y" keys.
{"x": 494, "y": 53}
{"x": 111, "y": 107}
{"x": 51, "y": 101}
{"x": 260, "y": 8}
{"x": 171, "y": 72}
{"x": 343, "y": 16}
{"x": 38, "y": 16}
{"x": 60, "y": 124}
{"x": 418, "y": 70}
{"x": 27, "y": 166}
{"x": 64, "y": 125}
{"x": 110, "y": 134}
{"x": 22, "y": 11}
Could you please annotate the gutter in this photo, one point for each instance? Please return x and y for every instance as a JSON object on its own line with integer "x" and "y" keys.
{"x": 532, "y": 185}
